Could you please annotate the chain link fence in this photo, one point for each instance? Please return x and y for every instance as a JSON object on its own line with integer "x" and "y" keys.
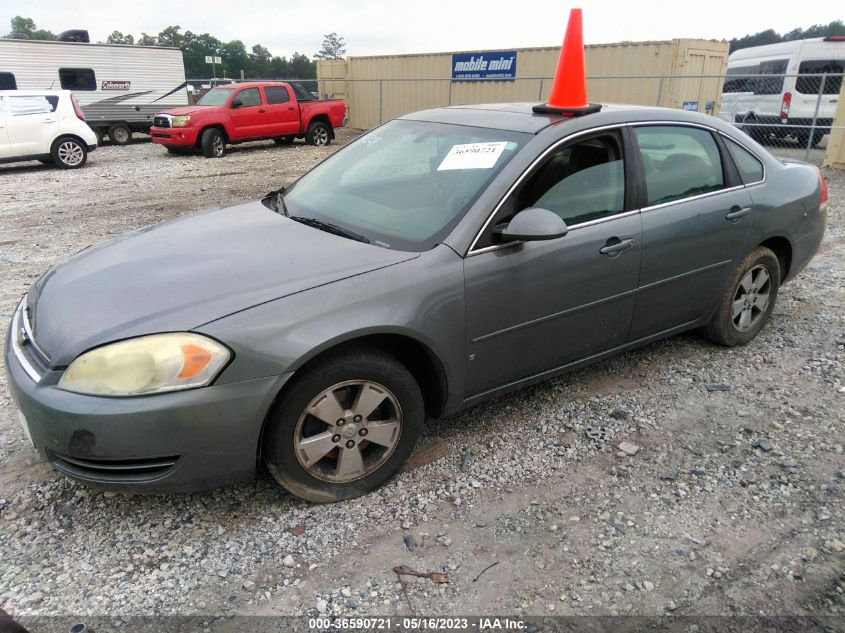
{"x": 792, "y": 115}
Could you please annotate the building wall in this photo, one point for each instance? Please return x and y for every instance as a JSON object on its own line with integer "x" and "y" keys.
{"x": 380, "y": 88}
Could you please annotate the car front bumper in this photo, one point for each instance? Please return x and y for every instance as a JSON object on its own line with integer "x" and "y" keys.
{"x": 174, "y": 136}
{"x": 174, "y": 442}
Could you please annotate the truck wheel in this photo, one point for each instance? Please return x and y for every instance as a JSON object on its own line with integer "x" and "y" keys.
{"x": 283, "y": 140}
{"x": 213, "y": 143}
{"x": 120, "y": 134}
{"x": 99, "y": 132}
{"x": 69, "y": 153}
{"x": 318, "y": 134}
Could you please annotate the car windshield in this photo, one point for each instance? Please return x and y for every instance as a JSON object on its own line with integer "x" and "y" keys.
{"x": 406, "y": 184}
{"x": 216, "y": 97}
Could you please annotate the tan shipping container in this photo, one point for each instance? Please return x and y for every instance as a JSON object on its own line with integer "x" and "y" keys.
{"x": 383, "y": 87}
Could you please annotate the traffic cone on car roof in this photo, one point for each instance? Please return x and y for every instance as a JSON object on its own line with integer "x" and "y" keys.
{"x": 569, "y": 91}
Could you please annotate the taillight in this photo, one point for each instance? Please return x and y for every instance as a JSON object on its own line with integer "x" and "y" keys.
{"x": 76, "y": 108}
{"x": 823, "y": 201}
{"x": 784, "y": 106}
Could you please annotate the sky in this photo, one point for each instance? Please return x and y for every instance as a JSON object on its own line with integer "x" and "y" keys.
{"x": 378, "y": 27}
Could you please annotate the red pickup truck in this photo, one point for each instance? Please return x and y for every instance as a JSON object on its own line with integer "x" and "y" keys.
{"x": 242, "y": 112}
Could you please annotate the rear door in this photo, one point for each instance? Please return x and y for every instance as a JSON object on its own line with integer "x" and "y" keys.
{"x": 282, "y": 111}
{"x": 249, "y": 119}
{"x": 32, "y": 123}
{"x": 534, "y": 307}
{"x": 5, "y": 150}
{"x": 696, "y": 218}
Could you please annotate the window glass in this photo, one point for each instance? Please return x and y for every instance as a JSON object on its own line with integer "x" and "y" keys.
{"x": 302, "y": 94}
{"x": 771, "y": 85}
{"x": 748, "y": 79}
{"x": 276, "y": 94}
{"x": 22, "y": 106}
{"x": 7, "y": 82}
{"x": 812, "y": 85}
{"x": 216, "y": 97}
{"x": 405, "y": 184}
{"x": 679, "y": 162}
{"x": 580, "y": 183}
{"x": 249, "y": 97}
{"x": 77, "y": 79}
{"x": 750, "y": 168}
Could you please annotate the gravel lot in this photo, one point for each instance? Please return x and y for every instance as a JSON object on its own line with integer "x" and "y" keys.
{"x": 732, "y": 504}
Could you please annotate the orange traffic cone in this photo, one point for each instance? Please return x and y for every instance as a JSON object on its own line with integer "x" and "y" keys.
{"x": 569, "y": 91}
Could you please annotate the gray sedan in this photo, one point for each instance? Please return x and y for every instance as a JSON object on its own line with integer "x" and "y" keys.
{"x": 445, "y": 258}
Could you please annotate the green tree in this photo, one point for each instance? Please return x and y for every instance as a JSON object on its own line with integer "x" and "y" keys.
{"x": 119, "y": 38}
{"x": 26, "y": 27}
{"x": 301, "y": 67}
{"x": 260, "y": 61}
{"x": 147, "y": 40}
{"x": 334, "y": 47}
{"x": 235, "y": 59}
{"x": 171, "y": 36}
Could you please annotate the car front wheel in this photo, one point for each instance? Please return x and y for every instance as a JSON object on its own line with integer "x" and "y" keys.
{"x": 748, "y": 300}
{"x": 69, "y": 153}
{"x": 344, "y": 427}
{"x": 213, "y": 143}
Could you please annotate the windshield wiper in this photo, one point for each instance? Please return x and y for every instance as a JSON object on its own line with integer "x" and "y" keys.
{"x": 329, "y": 228}
{"x": 276, "y": 200}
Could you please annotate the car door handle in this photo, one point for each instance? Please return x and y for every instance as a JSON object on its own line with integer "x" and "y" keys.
{"x": 736, "y": 213}
{"x": 261, "y": 111}
{"x": 48, "y": 120}
{"x": 614, "y": 246}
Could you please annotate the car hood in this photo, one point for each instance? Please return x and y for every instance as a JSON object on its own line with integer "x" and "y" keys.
{"x": 188, "y": 110}
{"x": 181, "y": 274}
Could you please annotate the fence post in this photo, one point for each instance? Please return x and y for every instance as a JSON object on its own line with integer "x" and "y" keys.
{"x": 380, "y": 101}
{"x": 450, "y": 92}
{"x": 540, "y": 96}
{"x": 815, "y": 118}
{"x": 659, "y": 92}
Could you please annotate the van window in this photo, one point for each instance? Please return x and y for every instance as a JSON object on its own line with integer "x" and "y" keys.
{"x": 77, "y": 79}
{"x": 747, "y": 79}
{"x": 750, "y": 169}
{"x": 771, "y": 85}
{"x": 7, "y": 82}
{"x": 812, "y": 85}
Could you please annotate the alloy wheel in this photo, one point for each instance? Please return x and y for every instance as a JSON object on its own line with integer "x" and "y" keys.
{"x": 348, "y": 431}
{"x": 70, "y": 153}
{"x": 321, "y": 135}
{"x": 751, "y": 298}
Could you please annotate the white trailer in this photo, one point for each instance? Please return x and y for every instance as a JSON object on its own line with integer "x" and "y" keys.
{"x": 119, "y": 87}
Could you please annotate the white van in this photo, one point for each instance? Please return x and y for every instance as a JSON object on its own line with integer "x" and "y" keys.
{"x": 44, "y": 125}
{"x": 764, "y": 104}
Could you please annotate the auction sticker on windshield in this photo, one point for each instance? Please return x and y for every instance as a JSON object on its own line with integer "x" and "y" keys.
{"x": 473, "y": 156}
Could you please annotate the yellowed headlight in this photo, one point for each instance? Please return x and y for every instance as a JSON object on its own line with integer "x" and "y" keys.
{"x": 145, "y": 365}
{"x": 180, "y": 121}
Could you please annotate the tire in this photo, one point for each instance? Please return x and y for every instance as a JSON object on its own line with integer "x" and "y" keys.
{"x": 732, "y": 328}
{"x": 283, "y": 140}
{"x": 69, "y": 152}
{"x": 391, "y": 394}
{"x": 120, "y": 134}
{"x": 213, "y": 143}
{"x": 319, "y": 134}
{"x": 803, "y": 137}
{"x": 756, "y": 132}
{"x": 99, "y": 132}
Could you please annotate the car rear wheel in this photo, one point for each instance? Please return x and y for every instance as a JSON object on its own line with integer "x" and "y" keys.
{"x": 120, "y": 134}
{"x": 213, "y": 143}
{"x": 344, "y": 427}
{"x": 748, "y": 300}
{"x": 318, "y": 134}
{"x": 69, "y": 153}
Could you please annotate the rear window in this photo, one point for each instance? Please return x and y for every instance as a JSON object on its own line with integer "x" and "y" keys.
{"x": 77, "y": 79}
{"x": 7, "y": 82}
{"x": 276, "y": 95}
{"x": 812, "y": 85}
{"x": 756, "y": 78}
{"x": 30, "y": 104}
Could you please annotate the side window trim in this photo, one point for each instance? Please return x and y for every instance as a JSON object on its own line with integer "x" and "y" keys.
{"x": 750, "y": 151}
{"x": 707, "y": 128}
{"x": 531, "y": 169}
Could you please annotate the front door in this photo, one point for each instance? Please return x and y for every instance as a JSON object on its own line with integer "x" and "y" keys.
{"x": 249, "y": 119}
{"x": 534, "y": 307}
{"x": 695, "y": 225}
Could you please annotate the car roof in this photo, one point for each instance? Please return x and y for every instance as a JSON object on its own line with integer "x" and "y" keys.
{"x": 520, "y": 117}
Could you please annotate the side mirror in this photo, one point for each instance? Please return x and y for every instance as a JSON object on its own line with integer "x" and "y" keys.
{"x": 237, "y": 103}
{"x": 532, "y": 224}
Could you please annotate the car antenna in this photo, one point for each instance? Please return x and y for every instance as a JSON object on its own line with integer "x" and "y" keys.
{"x": 569, "y": 91}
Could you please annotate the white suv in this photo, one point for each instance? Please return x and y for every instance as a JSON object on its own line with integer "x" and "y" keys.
{"x": 44, "y": 125}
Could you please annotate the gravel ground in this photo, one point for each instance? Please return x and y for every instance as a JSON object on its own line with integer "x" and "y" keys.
{"x": 700, "y": 501}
